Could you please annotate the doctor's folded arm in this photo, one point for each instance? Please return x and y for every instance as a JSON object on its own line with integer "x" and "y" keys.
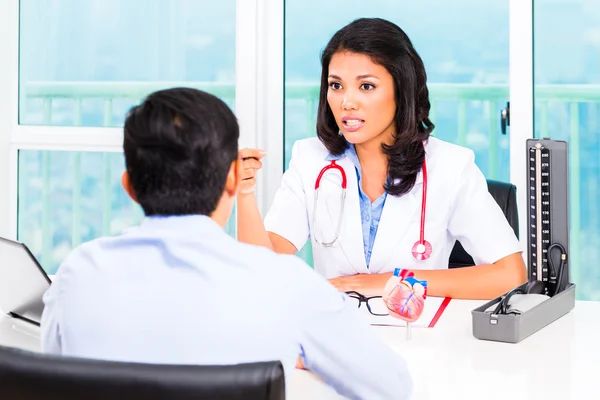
{"x": 375, "y": 190}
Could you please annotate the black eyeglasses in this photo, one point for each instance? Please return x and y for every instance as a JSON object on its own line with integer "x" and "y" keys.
{"x": 374, "y": 304}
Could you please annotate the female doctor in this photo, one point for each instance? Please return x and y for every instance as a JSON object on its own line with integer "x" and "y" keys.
{"x": 389, "y": 195}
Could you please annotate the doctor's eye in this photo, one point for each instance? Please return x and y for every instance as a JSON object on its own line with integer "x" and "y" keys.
{"x": 335, "y": 85}
{"x": 367, "y": 86}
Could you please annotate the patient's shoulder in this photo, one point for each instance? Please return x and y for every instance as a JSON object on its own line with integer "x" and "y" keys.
{"x": 84, "y": 257}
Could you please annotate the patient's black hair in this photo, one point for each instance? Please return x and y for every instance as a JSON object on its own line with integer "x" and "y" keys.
{"x": 179, "y": 145}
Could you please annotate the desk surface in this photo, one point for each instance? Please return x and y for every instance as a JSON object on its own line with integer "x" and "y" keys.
{"x": 561, "y": 361}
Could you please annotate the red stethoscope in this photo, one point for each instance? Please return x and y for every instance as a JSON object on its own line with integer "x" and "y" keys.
{"x": 421, "y": 250}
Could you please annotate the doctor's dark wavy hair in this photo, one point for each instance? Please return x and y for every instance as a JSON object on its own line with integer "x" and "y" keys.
{"x": 179, "y": 145}
{"x": 387, "y": 45}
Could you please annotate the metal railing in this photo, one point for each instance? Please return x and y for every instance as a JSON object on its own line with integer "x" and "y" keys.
{"x": 77, "y": 93}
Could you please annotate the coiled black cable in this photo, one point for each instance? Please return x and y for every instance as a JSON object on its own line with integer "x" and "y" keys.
{"x": 561, "y": 268}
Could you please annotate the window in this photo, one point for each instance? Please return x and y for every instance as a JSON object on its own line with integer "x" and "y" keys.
{"x": 86, "y": 62}
{"x": 567, "y": 107}
{"x": 66, "y": 198}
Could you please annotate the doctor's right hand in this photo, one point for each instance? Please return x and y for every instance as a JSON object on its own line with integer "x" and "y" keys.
{"x": 250, "y": 160}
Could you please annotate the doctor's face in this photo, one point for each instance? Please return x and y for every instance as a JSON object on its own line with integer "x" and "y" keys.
{"x": 361, "y": 98}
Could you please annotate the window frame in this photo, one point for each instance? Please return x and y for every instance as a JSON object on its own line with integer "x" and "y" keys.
{"x": 270, "y": 98}
{"x": 521, "y": 104}
{"x": 9, "y": 73}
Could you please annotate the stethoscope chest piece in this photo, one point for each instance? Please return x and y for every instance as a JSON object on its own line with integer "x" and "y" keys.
{"x": 422, "y": 250}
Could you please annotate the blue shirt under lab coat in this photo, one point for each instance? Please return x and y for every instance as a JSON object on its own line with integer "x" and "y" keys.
{"x": 180, "y": 290}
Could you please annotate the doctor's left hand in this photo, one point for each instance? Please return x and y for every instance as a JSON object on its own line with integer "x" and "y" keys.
{"x": 365, "y": 284}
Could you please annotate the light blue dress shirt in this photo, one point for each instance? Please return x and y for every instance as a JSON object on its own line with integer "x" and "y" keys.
{"x": 370, "y": 213}
{"x": 180, "y": 290}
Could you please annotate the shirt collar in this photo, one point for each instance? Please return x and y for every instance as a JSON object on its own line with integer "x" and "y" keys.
{"x": 349, "y": 153}
{"x": 183, "y": 224}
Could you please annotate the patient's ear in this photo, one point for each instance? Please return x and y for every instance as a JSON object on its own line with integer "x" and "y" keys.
{"x": 233, "y": 178}
{"x": 127, "y": 185}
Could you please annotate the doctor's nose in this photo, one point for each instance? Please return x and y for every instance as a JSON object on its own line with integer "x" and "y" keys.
{"x": 349, "y": 103}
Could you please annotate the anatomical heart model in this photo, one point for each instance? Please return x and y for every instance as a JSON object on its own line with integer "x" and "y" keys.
{"x": 404, "y": 295}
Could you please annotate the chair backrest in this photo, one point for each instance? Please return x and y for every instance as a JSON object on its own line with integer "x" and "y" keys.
{"x": 505, "y": 195}
{"x": 26, "y": 375}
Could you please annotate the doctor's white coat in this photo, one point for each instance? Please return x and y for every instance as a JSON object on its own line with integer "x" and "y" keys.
{"x": 458, "y": 207}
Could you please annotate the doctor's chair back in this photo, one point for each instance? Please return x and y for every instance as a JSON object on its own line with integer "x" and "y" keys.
{"x": 505, "y": 195}
{"x": 26, "y": 375}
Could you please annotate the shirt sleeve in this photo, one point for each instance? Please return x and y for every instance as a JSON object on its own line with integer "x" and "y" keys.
{"x": 288, "y": 215}
{"x": 343, "y": 349}
{"x": 477, "y": 221}
{"x": 50, "y": 326}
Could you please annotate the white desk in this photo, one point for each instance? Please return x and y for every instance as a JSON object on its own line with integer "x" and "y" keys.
{"x": 562, "y": 361}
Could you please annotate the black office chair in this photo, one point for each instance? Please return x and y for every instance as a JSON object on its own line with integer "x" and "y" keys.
{"x": 505, "y": 195}
{"x": 26, "y": 375}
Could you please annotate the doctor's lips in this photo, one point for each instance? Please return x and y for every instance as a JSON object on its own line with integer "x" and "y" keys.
{"x": 352, "y": 123}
